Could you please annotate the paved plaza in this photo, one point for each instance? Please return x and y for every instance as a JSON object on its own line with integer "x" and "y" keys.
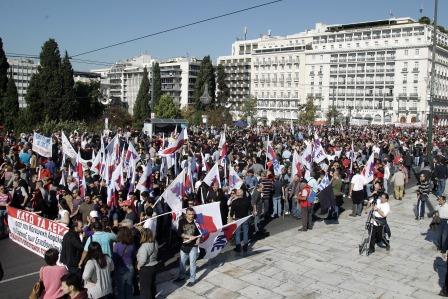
{"x": 325, "y": 263}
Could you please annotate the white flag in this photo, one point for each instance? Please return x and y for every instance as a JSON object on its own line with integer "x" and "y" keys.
{"x": 368, "y": 169}
{"x": 213, "y": 176}
{"x": 235, "y": 182}
{"x": 173, "y": 193}
{"x": 67, "y": 148}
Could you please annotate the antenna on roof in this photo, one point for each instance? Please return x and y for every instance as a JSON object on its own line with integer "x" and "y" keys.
{"x": 245, "y": 32}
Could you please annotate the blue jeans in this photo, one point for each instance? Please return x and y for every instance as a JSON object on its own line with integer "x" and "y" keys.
{"x": 443, "y": 235}
{"x": 295, "y": 210}
{"x": 441, "y": 186}
{"x": 277, "y": 206}
{"x": 192, "y": 256}
{"x": 245, "y": 228}
{"x": 3, "y": 215}
{"x": 123, "y": 281}
{"x": 421, "y": 207}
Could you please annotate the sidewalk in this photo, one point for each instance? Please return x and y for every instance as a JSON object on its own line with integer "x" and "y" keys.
{"x": 324, "y": 263}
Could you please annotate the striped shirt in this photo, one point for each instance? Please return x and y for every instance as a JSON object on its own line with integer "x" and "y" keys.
{"x": 424, "y": 188}
{"x": 268, "y": 187}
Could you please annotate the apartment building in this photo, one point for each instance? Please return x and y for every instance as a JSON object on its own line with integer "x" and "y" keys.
{"x": 178, "y": 76}
{"x": 22, "y": 70}
{"x": 372, "y": 72}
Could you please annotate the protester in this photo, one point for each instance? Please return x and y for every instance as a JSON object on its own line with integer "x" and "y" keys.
{"x": 123, "y": 258}
{"x": 51, "y": 275}
{"x": 442, "y": 215}
{"x": 147, "y": 264}
{"x": 356, "y": 193}
{"x": 72, "y": 287}
{"x": 398, "y": 180}
{"x": 422, "y": 196}
{"x": 190, "y": 235}
{"x": 72, "y": 248}
{"x": 97, "y": 272}
{"x": 240, "y": 208}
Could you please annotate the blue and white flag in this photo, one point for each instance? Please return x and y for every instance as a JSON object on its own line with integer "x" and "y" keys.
{"x": 324, "y": 183}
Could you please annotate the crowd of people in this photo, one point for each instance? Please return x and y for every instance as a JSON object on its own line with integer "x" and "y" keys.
{"x": 110, "y": 252}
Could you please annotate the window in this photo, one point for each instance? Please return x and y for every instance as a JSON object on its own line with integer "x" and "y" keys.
{"x": 406, "y": 52}
{"x": 417, "y": 52}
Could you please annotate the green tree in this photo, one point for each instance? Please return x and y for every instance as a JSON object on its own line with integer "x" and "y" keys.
{"x": 87, "y": 95}
{"x": 223, "y": 93}
{"x": 425, "y": 20}
{"x": 45, "y": 90}
{"x": 166, "y": 107}
{"x": 333, "y": 113}
{"x": 157, "y": 88}
{"x": 4, "y": 65}
{"x": 141, "y": 105}
{"x": 10, "y": 105}
{"x": 69, "y": 104}
{"x": 249, "y": 108}
{"x": 308, "y": 114}
{"x": 206, "y": 75}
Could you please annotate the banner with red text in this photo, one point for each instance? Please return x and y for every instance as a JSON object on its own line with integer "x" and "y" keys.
{"x": 34, "y": 232}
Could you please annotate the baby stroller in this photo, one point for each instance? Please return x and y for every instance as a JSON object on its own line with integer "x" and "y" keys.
{"x": 367, "y": 235}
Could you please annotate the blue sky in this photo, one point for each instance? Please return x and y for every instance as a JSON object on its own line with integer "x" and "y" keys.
{"x": 82, "y": 25}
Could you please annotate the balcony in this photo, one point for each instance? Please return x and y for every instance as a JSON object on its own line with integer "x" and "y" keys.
{"x": 370, "y": 58}
{"x": 370, "y": 70}
{"x": 359, "y": 82}
{"x": 415, "y": 70}
{"x": 333, "y": 71}
{"x": 389, "y": 70}
{"x": 333, "y": 60}
{"x": 379, "y": 70}
{"x": 402, "y": 109}
{"x": 333, "y": 83}
{"x": 413, "y": 109}
{"x": 390, "y": 57}
{"x": 403, "y": 96}
{"x": 351, "y": 71}
{"x": 342, "y": 59}
{"x": 413, "y": 95}
{"x": 404, "y": 70}
{"x": 352, "y": 59}
{"x": 312, "y": 73}
{"x": 369, "y": 82}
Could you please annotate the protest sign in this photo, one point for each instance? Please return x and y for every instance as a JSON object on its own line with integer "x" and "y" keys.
{"x": 34, "y": 232}
{"x": 42, "y": 145}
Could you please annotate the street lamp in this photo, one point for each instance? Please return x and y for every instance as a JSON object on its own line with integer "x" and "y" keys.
{"x": 433, "y": 72}
{"x": 205, "y": 100}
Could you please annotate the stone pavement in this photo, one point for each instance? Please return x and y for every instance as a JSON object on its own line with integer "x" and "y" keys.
{"x": 325, "y": 263}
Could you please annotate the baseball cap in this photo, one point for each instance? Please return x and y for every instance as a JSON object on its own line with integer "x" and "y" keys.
{"x": 94, "y": 214}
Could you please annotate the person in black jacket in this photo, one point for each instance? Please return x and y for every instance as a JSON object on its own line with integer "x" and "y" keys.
{"x": 72, "y": 247}
{"x": 440, "y": 174}
{"x": 240, "y": 208}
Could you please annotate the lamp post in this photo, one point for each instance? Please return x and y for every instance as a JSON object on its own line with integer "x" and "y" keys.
{"x": 205, "y": 100}
{"x": 333, "y": 120}
{"x": 431, "y": 95}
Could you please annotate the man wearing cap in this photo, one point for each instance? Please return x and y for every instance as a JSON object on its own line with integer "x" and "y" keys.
{"x": 127, "y": 207}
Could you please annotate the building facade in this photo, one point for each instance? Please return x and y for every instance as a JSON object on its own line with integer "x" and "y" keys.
{"x": 22, "y": 70}
{"x": 122, "y": 81}
{"x": 371, "y": 72}
{"x": 237, "y": 67}
{"x": 178, "y": 76}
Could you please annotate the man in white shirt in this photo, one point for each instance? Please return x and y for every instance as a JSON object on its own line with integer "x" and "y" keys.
{"x": 381, "y": 209}
{"x": 442, "y": 213}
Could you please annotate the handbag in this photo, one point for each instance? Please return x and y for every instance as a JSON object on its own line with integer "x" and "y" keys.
{"x": 37, "y": 290}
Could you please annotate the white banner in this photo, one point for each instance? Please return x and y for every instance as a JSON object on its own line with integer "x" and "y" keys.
{"x": 67, "y": 148}
{"x": 42, "y": 145}
{"x": 35, "y": 233}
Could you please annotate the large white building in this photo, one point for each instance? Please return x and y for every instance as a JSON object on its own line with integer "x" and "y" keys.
{"x": 376, "y": 72}
{"x": 122, "y": 81}
{"x": 178, "y": 76}
{"x": 22, "y": 70}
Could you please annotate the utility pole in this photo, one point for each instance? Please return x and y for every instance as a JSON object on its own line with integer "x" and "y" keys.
{"x": 152, "y": 88}
{"x": 431, "y": 93}
{"x": 333, "y": 118}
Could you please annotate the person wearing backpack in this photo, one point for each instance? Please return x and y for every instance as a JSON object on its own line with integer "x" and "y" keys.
{"x": 306, "y": 207}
